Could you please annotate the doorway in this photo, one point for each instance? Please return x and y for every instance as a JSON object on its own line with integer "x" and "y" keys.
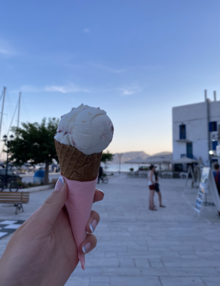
{"x": 189, "y": 150}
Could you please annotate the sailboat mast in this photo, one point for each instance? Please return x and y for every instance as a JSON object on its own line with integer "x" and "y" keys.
{"x": 19, "y": 107}
{"x": 3, "y": 103}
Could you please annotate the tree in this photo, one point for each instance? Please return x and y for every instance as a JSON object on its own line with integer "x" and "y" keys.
{"x": 34, "y": 142}
{"x": 106, "y": 157}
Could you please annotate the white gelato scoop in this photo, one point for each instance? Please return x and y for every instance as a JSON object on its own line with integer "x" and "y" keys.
{"x": 87, "y": 128}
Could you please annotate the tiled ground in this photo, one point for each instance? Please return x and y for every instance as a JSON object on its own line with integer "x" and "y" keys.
{"x": 7, "y": 227}
{"x": 170, "y": 247}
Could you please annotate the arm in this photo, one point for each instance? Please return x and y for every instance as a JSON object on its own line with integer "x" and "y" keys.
{"x": 151, "y": 177}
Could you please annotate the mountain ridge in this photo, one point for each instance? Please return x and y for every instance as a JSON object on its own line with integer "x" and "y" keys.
{"x": 132, "y": 155}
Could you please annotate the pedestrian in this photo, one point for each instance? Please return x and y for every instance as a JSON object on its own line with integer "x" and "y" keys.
{"x": 157, "y": 188}
{"x": 216, "y": 175}
{"x": 151, "y": 185}
{"x": 100, "y": 174}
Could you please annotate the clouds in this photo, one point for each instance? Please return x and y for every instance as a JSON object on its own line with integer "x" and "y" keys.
{"x": 129, "y": 90}
{"x": 64, "y": 89}
{"x": 71, "y": 88}
{"x": 6, "y": 49}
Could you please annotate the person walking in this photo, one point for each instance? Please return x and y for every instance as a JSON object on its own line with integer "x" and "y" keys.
{"x": 216, "y": 174}
{"x": 100, "y": 174}
{"x": 157, "y": 188}
{"x": 151, "y": 185}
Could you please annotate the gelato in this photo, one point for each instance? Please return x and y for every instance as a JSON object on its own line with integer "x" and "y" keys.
{"x": 87, "y": 128}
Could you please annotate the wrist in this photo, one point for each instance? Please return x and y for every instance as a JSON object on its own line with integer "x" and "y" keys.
{"x": 4, "y": 280}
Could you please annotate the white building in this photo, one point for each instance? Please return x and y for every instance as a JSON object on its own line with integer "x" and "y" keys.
{"x": 196, "y": 130}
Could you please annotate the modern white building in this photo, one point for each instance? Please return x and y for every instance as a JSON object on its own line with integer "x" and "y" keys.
{"x": 196, "y": 130}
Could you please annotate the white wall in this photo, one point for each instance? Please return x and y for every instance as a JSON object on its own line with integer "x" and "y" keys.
{"x": 194, "y": 116}
{"x": 215, "y": 111}
{"x": 178, "y": 149}
{"x": 200, "y": 149}
{"x": 189, "y": 112}
{"x": 195, "y": 129}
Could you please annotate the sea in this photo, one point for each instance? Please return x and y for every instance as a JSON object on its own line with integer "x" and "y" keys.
{"x": 124, "y": 167}
{"x": 114, "y": 168}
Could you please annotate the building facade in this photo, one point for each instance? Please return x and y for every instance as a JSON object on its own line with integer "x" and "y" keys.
{"x": 196, "y": 130}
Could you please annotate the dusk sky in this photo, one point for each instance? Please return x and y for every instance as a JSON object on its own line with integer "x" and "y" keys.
{"x": 134, "y": 58}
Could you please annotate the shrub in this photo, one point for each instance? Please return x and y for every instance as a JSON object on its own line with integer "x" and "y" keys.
{"x": 24, "y": 185}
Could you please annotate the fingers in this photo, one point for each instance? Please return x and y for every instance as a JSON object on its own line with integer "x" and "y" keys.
{"x": 93, "y": 222}
{"x": 89, "y": 243}
{"x": 99, "y": 195}
{"x": 52, "y": 206}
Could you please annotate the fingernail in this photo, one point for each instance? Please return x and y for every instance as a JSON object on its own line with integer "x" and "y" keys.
{"x": 93, "y": 225}
{"x": 59, "y": 184}
{"x": 86, "y": 247}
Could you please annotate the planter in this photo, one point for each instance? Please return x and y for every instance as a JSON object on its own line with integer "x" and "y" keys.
{"x": 37, "y": 189}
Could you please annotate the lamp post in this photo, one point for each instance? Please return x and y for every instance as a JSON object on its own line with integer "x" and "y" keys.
{"x": 7, "y": 143}
{"x": 119, "y": 156}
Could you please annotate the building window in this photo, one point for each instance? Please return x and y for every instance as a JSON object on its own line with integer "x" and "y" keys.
{"x": 214, "y": 145}
{"x": 212, "y": 126}
{"x": 182, "y": 131}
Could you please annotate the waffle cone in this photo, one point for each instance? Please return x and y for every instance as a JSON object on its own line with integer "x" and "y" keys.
{"x": 75, "y": 165}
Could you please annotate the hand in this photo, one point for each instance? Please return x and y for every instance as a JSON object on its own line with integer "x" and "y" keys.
{"x": 42, "y": 251}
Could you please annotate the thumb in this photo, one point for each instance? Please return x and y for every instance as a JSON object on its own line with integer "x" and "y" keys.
{"x": 51, "y": 208}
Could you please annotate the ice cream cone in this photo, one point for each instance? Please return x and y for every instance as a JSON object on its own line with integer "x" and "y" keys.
{"x": 75, "y": 165}
{"x": 80, "y": 172}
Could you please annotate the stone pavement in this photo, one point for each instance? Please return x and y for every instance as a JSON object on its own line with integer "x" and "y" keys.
{"x": 138, "y": 247}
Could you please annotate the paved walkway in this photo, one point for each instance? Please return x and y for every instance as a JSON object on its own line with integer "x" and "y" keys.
{"x": 138, "y": 247}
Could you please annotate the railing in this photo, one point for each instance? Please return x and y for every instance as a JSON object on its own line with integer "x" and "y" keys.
{"x": 164, "y": 175}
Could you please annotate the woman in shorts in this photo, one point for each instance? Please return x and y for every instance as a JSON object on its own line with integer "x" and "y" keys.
{"x": 157, "y": 188}
{"x": 151, "y": 185}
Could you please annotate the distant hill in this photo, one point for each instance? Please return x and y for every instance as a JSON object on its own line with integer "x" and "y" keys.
{"x": 134, "y": 155}
{"x": 165, "y": 153}
{"x": 129, "y": 156}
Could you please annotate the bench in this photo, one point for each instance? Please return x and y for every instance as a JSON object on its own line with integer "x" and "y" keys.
{"x": 16, "y": 198}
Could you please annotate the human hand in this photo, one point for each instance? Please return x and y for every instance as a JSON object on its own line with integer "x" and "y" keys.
{"x": 42, "y": 251}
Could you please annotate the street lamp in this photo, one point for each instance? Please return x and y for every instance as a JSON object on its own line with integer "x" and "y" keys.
{"x": 7, "y": 143}
{"x": 119, "y": 156}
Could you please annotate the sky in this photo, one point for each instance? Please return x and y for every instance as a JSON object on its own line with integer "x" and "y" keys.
{"x": 136, "y": 59}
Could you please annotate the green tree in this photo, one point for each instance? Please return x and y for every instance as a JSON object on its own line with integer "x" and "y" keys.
{"x": 34, "y": 142}
{"x": 106, "y": 157}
